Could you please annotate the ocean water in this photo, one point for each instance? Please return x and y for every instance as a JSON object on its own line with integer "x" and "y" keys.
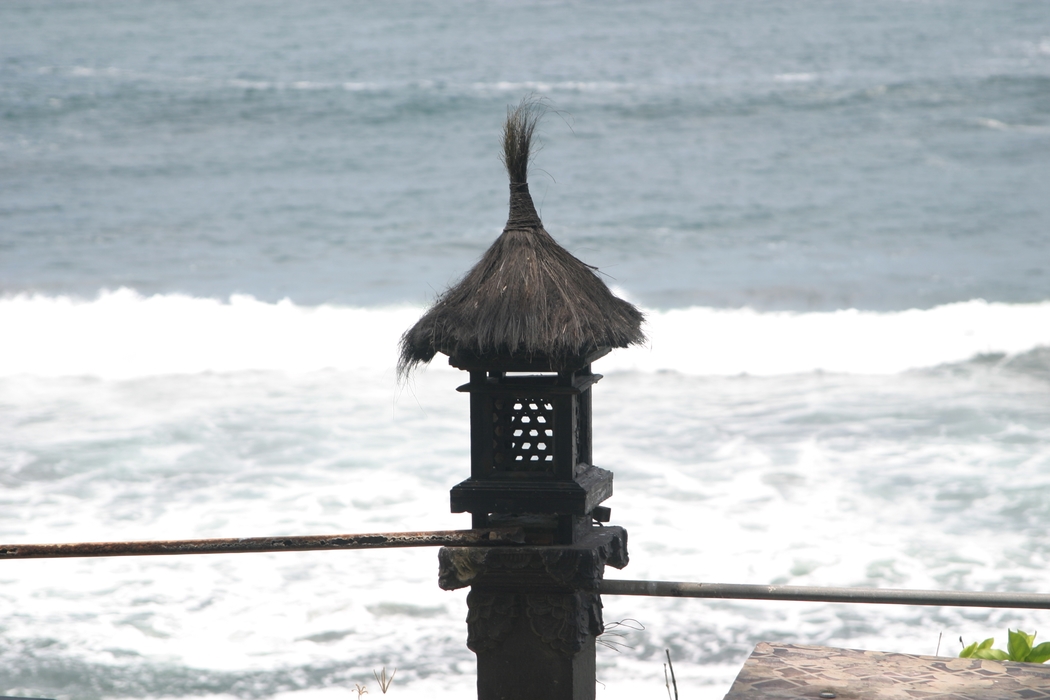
{"x": 217, "y": 218}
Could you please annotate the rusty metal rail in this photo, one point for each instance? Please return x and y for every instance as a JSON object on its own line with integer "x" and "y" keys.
{"x": 238, "y": 545}
{"x": 823, "y": 594}
{"x": 511, "y": 536}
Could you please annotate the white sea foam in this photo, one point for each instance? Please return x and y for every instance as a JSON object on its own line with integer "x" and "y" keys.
{"x": 734, "y": 341}
{"x": 122, "y": 334}
{"x": 903, "y": 481}
{"x": 1023, "y": 128}
{"x": 795, "y": 77}
{"x": 563, "y": 85}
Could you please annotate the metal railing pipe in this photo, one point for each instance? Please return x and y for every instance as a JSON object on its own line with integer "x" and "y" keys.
{"x": 822, "y": 594}
{"x": 239, "y": 545}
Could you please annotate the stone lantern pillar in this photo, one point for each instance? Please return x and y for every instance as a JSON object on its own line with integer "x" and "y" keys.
{"x": 526, "y": 323}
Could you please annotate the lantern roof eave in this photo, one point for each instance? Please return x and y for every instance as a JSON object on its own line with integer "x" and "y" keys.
{"x": 501, "y": 362}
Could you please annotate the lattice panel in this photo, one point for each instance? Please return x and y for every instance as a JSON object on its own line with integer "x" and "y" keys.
{"x": 524, "y": 435}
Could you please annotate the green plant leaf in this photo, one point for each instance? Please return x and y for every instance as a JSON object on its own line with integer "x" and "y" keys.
{"x": 1019, "y": 645}
{"x": 971, "y": 651}
{"x": 992, "y": 654}
{"x": 1039, "y": 654}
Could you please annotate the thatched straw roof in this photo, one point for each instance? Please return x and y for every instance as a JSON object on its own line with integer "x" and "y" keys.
{"x": 527, "y": 297}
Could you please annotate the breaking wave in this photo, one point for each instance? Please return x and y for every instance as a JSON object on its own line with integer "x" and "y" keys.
{"x": 123, "y": 334}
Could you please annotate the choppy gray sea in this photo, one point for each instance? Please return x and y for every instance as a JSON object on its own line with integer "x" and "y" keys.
{"x": 216, "y": 219}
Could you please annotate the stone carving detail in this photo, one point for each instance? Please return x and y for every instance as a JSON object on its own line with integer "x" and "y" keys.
{"x": 549, "y": 586}
{"x": 490, "y": 618}
{"x": 458, "y": 566}
{"x": 572, "y": 566}
{"x": 562, "y": 621}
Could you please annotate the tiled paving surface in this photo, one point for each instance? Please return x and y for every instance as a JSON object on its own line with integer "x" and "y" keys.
{"x": 782, "y": 671}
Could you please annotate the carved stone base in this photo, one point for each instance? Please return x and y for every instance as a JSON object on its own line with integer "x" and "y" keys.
{"x": 562, "y": 621}
{"x": 533, "y": 617}
{"x": 521, "y": 668}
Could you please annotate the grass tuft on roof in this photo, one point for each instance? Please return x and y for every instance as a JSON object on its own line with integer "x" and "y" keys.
{"x": 527, "y": 297}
